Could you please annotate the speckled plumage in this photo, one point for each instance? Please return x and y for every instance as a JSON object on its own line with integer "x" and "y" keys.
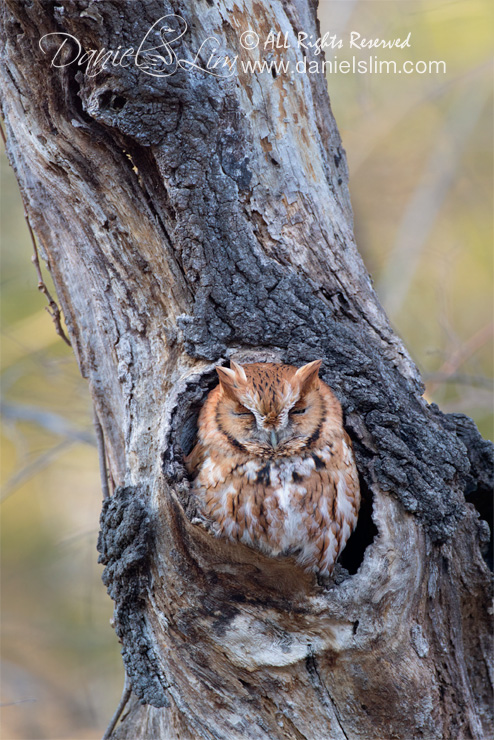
{"x": 273, "y": 467}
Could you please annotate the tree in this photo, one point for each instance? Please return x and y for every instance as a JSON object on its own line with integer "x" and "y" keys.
{"x": 192, "y": 215}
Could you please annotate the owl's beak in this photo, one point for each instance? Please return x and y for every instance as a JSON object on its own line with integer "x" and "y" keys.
{"x": 273, "y": 438}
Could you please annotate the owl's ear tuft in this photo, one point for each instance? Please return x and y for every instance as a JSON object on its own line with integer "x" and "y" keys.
{"x": 239, "y": 371}
{"x": 231, "y": 379}
{"x": 225, "y": 374}
{"x": 307, "y": 376}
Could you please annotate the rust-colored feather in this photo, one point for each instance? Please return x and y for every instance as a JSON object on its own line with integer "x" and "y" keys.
{"x": 273, "y": 467}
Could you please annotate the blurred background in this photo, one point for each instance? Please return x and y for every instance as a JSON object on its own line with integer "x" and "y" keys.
{"x": 419, "y": 150}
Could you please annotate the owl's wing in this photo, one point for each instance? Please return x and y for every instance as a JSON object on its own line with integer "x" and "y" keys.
{"x": 195, "y": 458}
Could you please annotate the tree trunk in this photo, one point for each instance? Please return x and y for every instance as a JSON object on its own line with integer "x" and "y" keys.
{"x": 192, "y": 217}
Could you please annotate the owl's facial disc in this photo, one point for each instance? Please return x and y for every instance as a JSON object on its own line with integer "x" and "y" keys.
{"x": 282, "y": 427}
{"x": 271, "y": 415}
{"x": 290, "y": 425}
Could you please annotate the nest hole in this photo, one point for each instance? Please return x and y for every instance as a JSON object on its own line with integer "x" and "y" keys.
{"x": 482, "y": 500}
{"x": 363, "y": 535}
{"x": 183, "y": 435}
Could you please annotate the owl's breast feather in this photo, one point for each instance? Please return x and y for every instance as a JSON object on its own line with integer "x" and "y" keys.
{"x": 303, "y": 506}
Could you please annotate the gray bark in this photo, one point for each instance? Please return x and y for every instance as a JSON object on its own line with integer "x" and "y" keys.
{"x": 189, "y": 219}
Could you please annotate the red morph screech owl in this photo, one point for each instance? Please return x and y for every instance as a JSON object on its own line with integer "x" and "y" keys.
{"x": 273, "y": 467}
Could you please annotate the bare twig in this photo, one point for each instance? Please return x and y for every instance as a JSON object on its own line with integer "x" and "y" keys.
{"x": 53, "y": 423}
{"x": 127, "y": 690}
{"x": 52, "y": 308}
{"x": 28, "y": 471}
{"x": 431, "y": 189}
{"x": 15, "y": 703}
{"x": 476, "y": 381}
{"x": 459, "y": 356}
{"x": 103, "y": 469}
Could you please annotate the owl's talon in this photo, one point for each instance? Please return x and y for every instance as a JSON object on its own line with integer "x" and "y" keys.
{"x": 325, "y": 581}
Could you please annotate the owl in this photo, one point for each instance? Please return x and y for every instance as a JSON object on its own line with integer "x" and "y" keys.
{"x": 273, "y": 467}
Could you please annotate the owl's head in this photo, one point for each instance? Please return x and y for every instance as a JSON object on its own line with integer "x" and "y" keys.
{"x": 271, "y": 409}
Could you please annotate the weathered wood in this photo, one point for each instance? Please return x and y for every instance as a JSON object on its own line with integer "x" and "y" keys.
{"x": 190, "y": 218}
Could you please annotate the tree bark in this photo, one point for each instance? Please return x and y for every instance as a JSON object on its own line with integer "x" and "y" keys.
{"x": 191, "y": 218}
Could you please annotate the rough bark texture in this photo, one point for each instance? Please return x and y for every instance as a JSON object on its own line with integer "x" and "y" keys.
{"x": 187, "y": 219}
